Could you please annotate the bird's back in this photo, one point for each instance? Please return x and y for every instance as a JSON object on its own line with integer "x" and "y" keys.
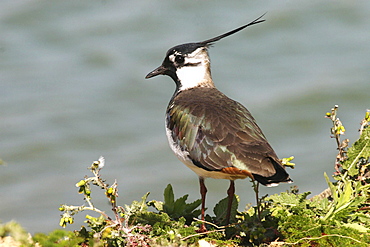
{"x": 219, "y": 134}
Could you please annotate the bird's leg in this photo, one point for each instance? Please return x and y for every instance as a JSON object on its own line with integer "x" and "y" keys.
{"x": 203, "y": 192}
{"x": 230, "y": 193}
{"x": 258, "y": 201}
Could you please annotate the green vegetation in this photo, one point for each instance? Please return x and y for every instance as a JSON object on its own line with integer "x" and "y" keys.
{"x": 337, "y": 217}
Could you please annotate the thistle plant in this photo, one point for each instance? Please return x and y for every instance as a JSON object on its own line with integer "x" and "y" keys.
{"x": 84, "y": 187}
{"x": 351, "y": 189}
{"x": 336, "y": 131}
{"x": 340, "y": 215}
{"x": 116, "y": 229}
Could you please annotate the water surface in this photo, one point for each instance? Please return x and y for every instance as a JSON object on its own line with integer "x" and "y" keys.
{"x": 73, "y": 88}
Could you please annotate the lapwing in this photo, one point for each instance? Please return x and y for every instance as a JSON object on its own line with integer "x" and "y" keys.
{"x": 213, "y": 135}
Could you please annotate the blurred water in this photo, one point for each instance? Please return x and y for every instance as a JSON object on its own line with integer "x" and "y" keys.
{"x": 72, "y": 88}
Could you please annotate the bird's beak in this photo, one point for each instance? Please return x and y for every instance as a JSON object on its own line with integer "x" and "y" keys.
{"x": 161, "y": 70}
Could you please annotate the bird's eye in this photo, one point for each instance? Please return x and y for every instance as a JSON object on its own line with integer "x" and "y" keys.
{"x": 179, "y": 59}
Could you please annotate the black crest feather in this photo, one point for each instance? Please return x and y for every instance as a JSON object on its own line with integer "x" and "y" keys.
{"x": 209, "y": 42}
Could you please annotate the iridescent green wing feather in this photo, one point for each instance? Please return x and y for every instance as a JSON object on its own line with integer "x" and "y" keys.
{"x": 218, "y": 132}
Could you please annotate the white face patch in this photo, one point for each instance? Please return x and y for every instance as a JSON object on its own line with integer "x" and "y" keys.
{"x": 195, "y": 70}
{"x": 191, "y": 76}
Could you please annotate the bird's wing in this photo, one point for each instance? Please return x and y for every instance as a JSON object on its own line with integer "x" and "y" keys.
{"x": 219, "y": 133}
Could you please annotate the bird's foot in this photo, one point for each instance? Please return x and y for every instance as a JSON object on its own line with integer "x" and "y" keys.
{"x": 201, "y": 229}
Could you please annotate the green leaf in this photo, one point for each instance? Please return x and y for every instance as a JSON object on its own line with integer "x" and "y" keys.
{"x": 363, "y": 218}
{"x": 360, "y": 149}
{"x": 180, "y": 205}
{"x": 177, "y": 208}
{"x": 157, "y": 204}
{"x": 364, "y": 188}
{"x": 357, "y": 227}
{"x": 152, "y": 218}
{"x": 136, "y": 207}
{"x": 220, "y": 210}
{"x": 193, "y": 205}
{"x": 169, "y": 201}
{"x": 290, "y": 199}
{"x": 142, "y": 203}
{"x": 346, "y": 196}
{"x": 332, "y": 187}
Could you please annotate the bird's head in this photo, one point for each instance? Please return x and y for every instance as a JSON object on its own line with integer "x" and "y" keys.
{"x": 189, "y": 64}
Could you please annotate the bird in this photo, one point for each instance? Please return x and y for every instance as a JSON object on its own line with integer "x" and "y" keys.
{"x": 210, "y": 133}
